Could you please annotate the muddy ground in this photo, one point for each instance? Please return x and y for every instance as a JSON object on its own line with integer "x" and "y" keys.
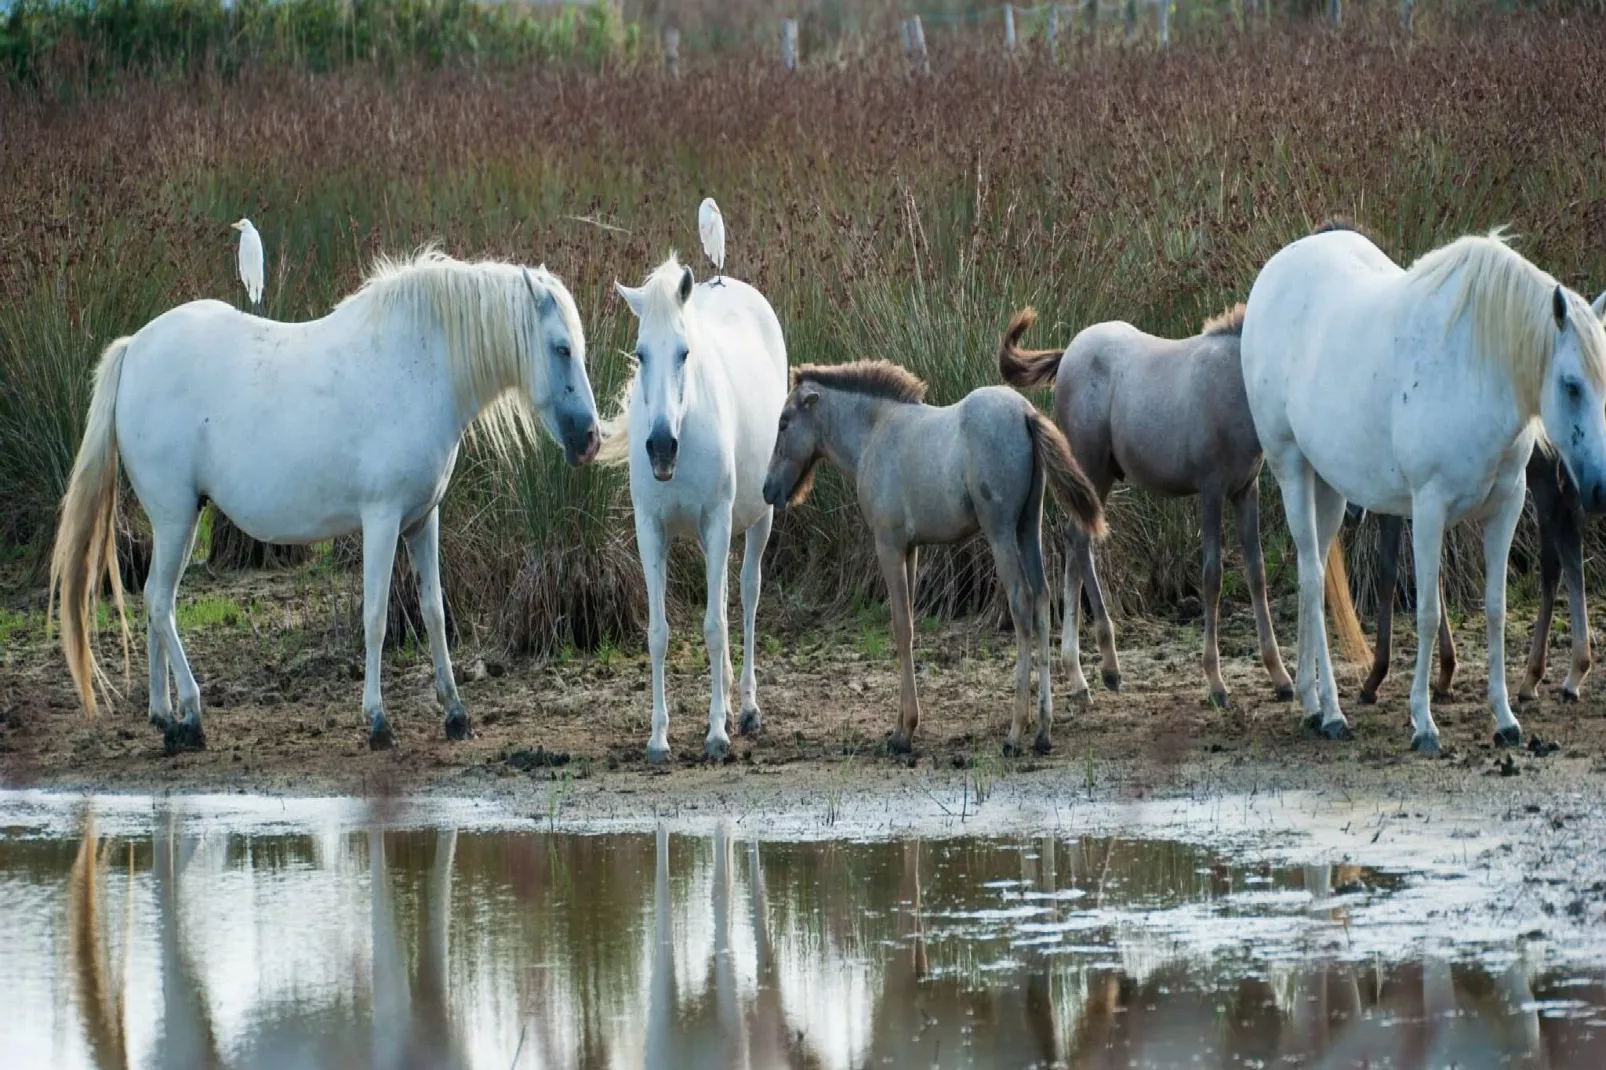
{"x": 280, "y": 663}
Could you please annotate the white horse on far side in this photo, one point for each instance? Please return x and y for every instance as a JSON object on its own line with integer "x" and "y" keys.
{"x": 698, "y": 428}
{"x": 1416, "y": 393}
{"x": 299, "y": 432}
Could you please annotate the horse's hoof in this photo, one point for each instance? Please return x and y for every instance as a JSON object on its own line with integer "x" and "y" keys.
{"x": 657, "y": 755}
{"x": 898, "y": 744}
{"x": 1569, "y": 695}
{"x": 1440, "y": 695}
{"x": 380, "y": 735}
{"x": 1218, "y": 699}
{"x": 182, "y": 735}
{"x": 456, "y": 722}
{"x": 1337, "y": 730}
{"x": 1426, "y": 744}
{"x": 1011, "y": 749}
{"x": 1367, "y": 698}
{"x": 1042, "y": 744}
{"x": 716, "y": 749}
{"x": 1112, "y": 679}
{"x": 1081, "y": 697}
{"x": 1509, "y": 736}
{"x": 159, "y": 721}
{"x": 1284, "y": 692}
{"x": 750, "y": 723}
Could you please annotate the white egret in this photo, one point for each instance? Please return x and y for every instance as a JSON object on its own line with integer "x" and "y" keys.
{"x": 251, "y": 271}
{"x": 711, "y": 228}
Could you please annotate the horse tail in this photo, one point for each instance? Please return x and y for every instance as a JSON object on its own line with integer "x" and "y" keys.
{"x": 614, "y": 448}
{"x": 86, "y": 536}
{"x": 1070, "y": 484}
{"x": 1351, "y": 640}
{"x": 1025, "y": 367}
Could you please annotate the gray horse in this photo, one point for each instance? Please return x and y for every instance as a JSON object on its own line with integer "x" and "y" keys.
{"x": 1169, "y": 416}
{"x": 938, "y": 475}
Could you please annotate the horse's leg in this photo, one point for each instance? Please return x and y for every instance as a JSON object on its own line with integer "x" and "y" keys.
{"x": 1071, "y": 624}
{"x": 716, "y": 540}
{"x": 1549, "y": 578}
{"x": 424, "y": 547}
{"x": 1103, "y": 630}
{"x": 1497, "y": 534}
{"x": 172, "y": 533}
{"x": 1329, "y": 519}
{"x": 895, "y": 570}
{"x": 1427, "y": 538}
{"x": 1210, "y": 511}
{"x": 1389, "y": 530}
{"x": 1295, "y": 479}
{"x": 379, "y": 533}
{"x": 653, "y": 545}
{"x": 1247, "y": 516}
{"x": 1006, "y": 556}
{"x": 1441, "y": 690}
{"x": 1031, "y": 549}
{"x": 1572, "y": 564}
{"x": 758, "y": 537}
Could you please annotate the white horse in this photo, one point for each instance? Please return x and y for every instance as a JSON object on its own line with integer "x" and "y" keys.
{"x": 299, "y": 432}
{"x": 703, "y": 405}
{"x": 1416, "y": 393}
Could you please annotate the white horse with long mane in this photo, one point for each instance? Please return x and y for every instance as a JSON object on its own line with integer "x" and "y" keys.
{"x": 1416, "y": 393}
{"x": 299, "y": 432}
{"x": 698, "y": 428}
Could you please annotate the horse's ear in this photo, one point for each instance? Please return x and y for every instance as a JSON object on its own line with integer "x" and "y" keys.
{"x": 1558, "y": 306}
{"x": 632, "y": 297}
{"x": 543, "y": 298}
{"x": 686, "y": 282}
{"x": 808, "y": 398}
{"x": 1600, "y": 306}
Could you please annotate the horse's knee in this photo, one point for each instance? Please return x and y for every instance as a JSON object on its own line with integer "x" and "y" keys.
{"x": 714, "y": 630}
{"x": 658, "y": 639}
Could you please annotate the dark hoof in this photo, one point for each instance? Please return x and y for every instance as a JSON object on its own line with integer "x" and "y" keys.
{"x": 1334, "y": 730}
{"x": 657, "y": 755}
{"x": 1443, "y": 696}
{"x": 380, "y": 737}
{"x": 716, "y": 749}
{"x": 898, "y": 744}
{"x": 1112, "y": 679}
{"x": 1569, "y": 696}
{"x": 1285, "y": 693}
{"x": 1042, "y": 744}
{"x": 158, "y": 721}
{"x": 457, "y": 723}
{"x": 1508, "y": 737}
{"x": 1426, "y": 744}
{"x": 1218, "y": 699}
{"x": 1011, "y": 750}
{"x": 183, "y": 735}
{"x": 1367, "y": 698}
{"x": 750, "y": 723}
{"x": 1083, "y": 697}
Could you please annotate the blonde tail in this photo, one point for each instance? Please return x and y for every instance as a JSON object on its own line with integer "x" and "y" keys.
{"x": 86, "y": 536}
{"x": 1351, "y": 640}
{"x": 614, "y": 449}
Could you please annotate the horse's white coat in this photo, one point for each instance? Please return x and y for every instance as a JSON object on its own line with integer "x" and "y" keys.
{"x": 698, "y": 428}
{"x": 300, "y": 432}
{"x": 1418, "y": 394}
{"x": 249, "y": 258}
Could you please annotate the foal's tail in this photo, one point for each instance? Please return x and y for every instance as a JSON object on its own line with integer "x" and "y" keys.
{"x": 614, "y": 449}
{"x": 1351, "y": 640}
{"x": 1025, "y": 367}
{"x": 1070, "y": 484}
{"x": 86, "y": 535}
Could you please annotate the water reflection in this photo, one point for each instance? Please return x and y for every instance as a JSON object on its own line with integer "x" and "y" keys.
{"x": 182, "y": 942}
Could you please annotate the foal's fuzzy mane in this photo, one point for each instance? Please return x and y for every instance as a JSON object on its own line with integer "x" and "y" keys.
{"x": 1511, "y": 305}
{"x": 488, "y": 319}
{"x": 1228, "y": 321}
{"x": 875, "y": 378}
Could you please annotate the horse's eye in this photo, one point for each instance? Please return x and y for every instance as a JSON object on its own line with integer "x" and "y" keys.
{"x": 563, "y": 352}
{"x": 784, "y": 422}
{"x": 1574, "y": 391}
{"x": 684, "y": 353}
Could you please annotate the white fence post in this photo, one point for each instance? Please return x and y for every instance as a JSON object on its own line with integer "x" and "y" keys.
{"x": 672, "y": 50}
{"x": 1407, "y": 15}
{"x": 1090, "y": 17}
{"x": 914, "y": 44}
{"x": 1009, "y": 27}
{"x": 1165, "y": 25}
{"x": 1335, "y": 12}
{"x": 1054, "y": 32}
{"x": 789, "y": 44}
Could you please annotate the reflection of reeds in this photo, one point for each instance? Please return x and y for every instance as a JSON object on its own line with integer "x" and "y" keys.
{"x": 99, "y": 985}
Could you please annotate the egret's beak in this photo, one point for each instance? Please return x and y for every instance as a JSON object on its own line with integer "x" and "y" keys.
{"x": 234, "y": 226}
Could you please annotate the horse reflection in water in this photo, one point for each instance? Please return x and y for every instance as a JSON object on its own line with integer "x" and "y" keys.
{"x": 409, "y": 1025}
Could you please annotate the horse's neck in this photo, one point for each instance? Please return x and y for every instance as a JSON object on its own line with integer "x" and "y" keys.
{"x": 848, "y": 427}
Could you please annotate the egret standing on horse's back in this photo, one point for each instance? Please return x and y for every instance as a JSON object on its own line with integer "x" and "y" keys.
{"x": 249, "y": 258}
{"x": 1416, "y": 393}
{"x": 300, "y": 432}
{"x": 711, "y": 229}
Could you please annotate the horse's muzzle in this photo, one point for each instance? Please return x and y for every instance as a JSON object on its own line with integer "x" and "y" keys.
{"x": 581, "y": 440}
{"x": 662, "y": 449}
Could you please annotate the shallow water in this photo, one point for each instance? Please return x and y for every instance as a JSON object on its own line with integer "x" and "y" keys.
{"x": 257, "y": 933}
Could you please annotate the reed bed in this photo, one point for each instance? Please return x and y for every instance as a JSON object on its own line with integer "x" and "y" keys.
{"x": 884, "y": 215}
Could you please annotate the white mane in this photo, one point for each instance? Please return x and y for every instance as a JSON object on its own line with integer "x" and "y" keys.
{"x": 1510, "y": 301}
{"x": 487, "y": 318}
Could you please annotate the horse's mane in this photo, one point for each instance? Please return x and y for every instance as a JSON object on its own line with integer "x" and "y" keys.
{"x": 1510, "y": 301}
{"x": 661, "y": 291}
{"x": 1228, "y": 321}
{"x": 876, "y": 378}
{"x": 488, "y": 320}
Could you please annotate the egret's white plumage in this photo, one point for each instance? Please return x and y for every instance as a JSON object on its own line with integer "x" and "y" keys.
{"x": 711, "y": 228}
{"x": 250, "y": 258}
